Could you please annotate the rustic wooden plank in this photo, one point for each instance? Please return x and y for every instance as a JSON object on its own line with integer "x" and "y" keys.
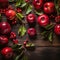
{"x": 45, "y": 53}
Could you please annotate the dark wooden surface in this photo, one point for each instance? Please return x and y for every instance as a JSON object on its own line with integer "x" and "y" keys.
{"x": 44, "y": 49}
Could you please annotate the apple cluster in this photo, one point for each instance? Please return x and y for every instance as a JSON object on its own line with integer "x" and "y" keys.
{"x": 48, "y": 7}
{"x": 43, "y": 20}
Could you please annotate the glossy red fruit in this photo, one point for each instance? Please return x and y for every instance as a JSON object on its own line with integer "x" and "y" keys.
{"x": 37, "y": 3}
{"x": 7, "y": 52}
{"x": 31, "y": 32}
{"x": 57, "y": 19}
{"x": 49, "y": 7}
{"x": 3, "y": 40}
{"x": 27, "y": 1}
{"x": 3, "y": 11}
{"x": 15, "y": 41}
{"x": 43, "y": 20}
{"x": 31, "y": 18}
{"x": 3, "y": 3}
{"x": 57, "y": 29}
{"x": 10, "y": 14}
{"x": 14, "y": 22}
{"x": 19, "y": 10}
{"x": 12, "y": 35}
{"x": 5, "y": 28}
{"x": 25, "y": 43}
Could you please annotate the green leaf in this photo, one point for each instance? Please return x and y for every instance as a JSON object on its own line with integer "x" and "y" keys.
{"x": 57, "y": 2}
{"x": 29, "y": 9}
{"x": 45, "y": 34}
{"x": 50, "y": 37}
{"x": 50, "y": 26}
{"x": 22, "y": 31}
{"x": 38, "y": 12}
{"x": 19, "y": 16}
{"x": 16, "y": 46}
{"x": 30, "y": 45}
{"x": 17, "y": 57}
{"x": 20, "y": 48}
{"x": 18, "y": 3}
{"x": 23, "y": 5}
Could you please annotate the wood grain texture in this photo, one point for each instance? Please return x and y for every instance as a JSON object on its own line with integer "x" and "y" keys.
{"x": 45, "y": 53}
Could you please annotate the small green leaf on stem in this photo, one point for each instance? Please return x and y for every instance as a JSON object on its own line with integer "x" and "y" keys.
{"x": 38, "y": 13}
{"x": 16, "y": 46}
{"x": 50, "y": 36}
{"x": 28, "y": 9}
{"x": 22, "y": 30}
{"x": 18, "y": 3}
{"x": 48, "y": 27}
{"x": 57, "y": 2}
{"x": 30, "y": 45}
{"x": 17, "y": 58}
{"x": 19, "y": 16}
{"x": 23, "y": 5}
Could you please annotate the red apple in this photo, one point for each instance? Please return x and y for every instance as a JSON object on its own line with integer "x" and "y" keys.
{"x": 3, "y": 40}
{"x": 57, "y": 19}
{"x": 19, "y": 10}
{"x": 37, "y": 3}
{"x": 10, "y": 14}
{"x": 43, "y": 20}
{"x": 49, "y": 7}
{"x": 7, "y": 52}
{"x": 57, "y": 29}
{"x": 15, "y": 41}
{"x": 12, "y": 35}
{"x": 5, "y": 28}
{"x": 31, "y": 32}
{"x": 31, "y": 18}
